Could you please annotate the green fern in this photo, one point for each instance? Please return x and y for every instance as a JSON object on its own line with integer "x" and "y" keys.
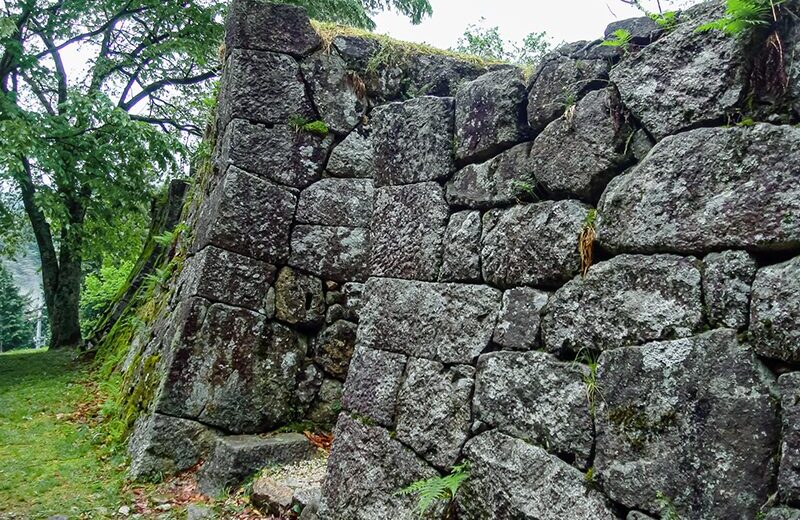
{"x": 741, "y": 15}
{"x": 434, "y": 489}
{"x": 667, "y": 20}
{"x": 620, "y": 38}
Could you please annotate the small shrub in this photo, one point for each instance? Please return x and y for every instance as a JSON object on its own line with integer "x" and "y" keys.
{"x": 432, "y": 490}
{"x": 741, "y": 15}
{"x": 620, "y": 38}
{"x": 667, "y": 20}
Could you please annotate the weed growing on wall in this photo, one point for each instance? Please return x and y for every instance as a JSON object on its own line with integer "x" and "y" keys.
{"x": 436, "y": 489}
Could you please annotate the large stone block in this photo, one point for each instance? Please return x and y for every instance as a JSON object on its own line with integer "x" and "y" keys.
{"x": 533, "y": 244}
{"x": 533, "y": 396}
{"x": 408, "y": 228}
{"x": 775, "y": 311}
{"x": 413, "y": 141}
{"x": 511, "y": 479}
{"x": 577, "y": 154}
{"x": 354, "y": 157}
{"x": 434, "y": 413}
{"x": 164, "y": 445}
{"x": 461, "y": 260}
{"x": 333, "y": 87}
{"x": 490, "y": 114}
{"x": 249, "y": 216}
{"x": 628, "y": 300}
{"x": 366, "y": 468}
{"x": 275, "y": 152}
{"x": 374, "y": 380}
{"x": 782, "y": 513}
{"x": 693, "y": 419}
{"x": 337, "y": 202}
{"x": 708, "y": 189}
{"x": 262, "y": 87}
{"x": 237, "y": 457}
{"x": 222, "y": 276}
{"x": 686, "y": 78}
{"x": 230, "y": 369}
{"x": 253, "y": 24}
{"x": 727, "y": 279}
{"x": 446, "y": 322}
{"x": 561, "y": 81}
{"x": 333, "y": 253}
{"x": 518, "y": 325}
{"x": 496, "y": 182}
{"x": 299, "y": 299}
{"x": 789, "y": 472}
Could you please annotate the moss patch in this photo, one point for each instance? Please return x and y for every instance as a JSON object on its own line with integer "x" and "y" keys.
{"x": 637, "y": 426}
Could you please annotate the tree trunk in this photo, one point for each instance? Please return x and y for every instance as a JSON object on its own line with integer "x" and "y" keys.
{"x": 61, "y": 272}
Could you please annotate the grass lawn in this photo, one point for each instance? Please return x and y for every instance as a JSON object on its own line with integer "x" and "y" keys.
{"x": 51, "y": 461}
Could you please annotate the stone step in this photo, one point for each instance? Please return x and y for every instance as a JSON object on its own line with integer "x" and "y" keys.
{"x": 237, "y": 457}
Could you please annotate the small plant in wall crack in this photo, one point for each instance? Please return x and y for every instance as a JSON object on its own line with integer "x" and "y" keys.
{"x": 589, "y": 359}
{"x": 586, "y": 241}
{"x": 301, "y": 124}
{"x": 741, "y": 15}
{"x": 436, "y": 489}
{"x": 620, "y": 38}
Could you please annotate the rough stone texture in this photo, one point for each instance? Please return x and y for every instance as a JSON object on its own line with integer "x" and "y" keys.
{"x": 249, "y": 216}
{"x": 496, "y": 182}
{"x": 278, "y": 152}
{"x": 637, "y": 515}
{"x": 775, "y": 311}
{"x": 413, "y": 141}
{"x": 374, "y": 381}
{"x": 461, "y": 261}
{"x": 438, "y": 74}
{"x": 577, "y": 154}
{"x": 727, "y": 279}
{"x": 686, "y": 78}
{"x": 782, "y": 513}
{"x": 328, "y": 404}
{"x": 365, "y": 469}
{"x": 238, "y": 456}
{"x": 253, "y": 24}
{"x": 628, "y": 300}
{"x": 490, "y": 114}
{"x": 271, "y": 496}
{"x": 560, "y": 81}
{"x": 510, "y": 479}
{"x": 518, "y": 325}
{"x": 334, "y": 92}
{"x": 694, "y": 419}
{"x": 333, "y": 253}
{"x": 336, "y": 202}
{"x": 408, "y": 228}
{"x": 334, "y": 347}
{"x": 299, "y": 299}
{"x": 434, "y": 410}
{"x": 221, "y": 276}
{"x": 446, "y": 322}
{"x": 161, "y": 445}
{"x": 533, "y": 244}
{"x": 229, "y": 369}
{"x": 533, "y": 396}
{"x": 640, "y": 145}
{"x": 789, "y": 472}
{"x": 354, "y": 156}
{"x": 708, "y": 189}
{"x": 262, "y": 87}
{"x": 643, "y": 30}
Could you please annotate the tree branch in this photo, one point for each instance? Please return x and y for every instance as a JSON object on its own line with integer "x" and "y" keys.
{"x": 153, "y": 87}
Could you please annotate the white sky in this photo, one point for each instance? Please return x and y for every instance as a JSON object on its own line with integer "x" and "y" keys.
{"x": 564, "y": 20}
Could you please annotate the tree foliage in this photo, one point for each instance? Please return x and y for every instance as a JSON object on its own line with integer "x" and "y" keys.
{"x": 16, "y": 330}
{"x": 93, "y": 95}
{"x": 358, "y": 13}
{"x": 487, "y": 43}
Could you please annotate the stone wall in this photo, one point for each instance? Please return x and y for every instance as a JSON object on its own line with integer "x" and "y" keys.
{"x": 431, "y": 229}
